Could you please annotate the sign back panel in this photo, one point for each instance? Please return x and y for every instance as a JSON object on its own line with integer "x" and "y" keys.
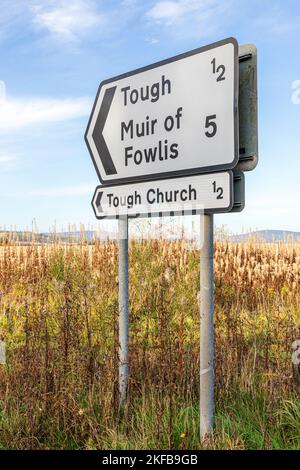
{"x": 238, "y": 191}
{"x": 248, "y": 126}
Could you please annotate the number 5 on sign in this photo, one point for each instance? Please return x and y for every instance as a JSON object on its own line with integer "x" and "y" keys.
{"x": 210, "y": 123}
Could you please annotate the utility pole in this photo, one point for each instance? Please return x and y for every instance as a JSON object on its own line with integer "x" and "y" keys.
{"x": 123, "y": 310}
{"x": 206, "y": 326}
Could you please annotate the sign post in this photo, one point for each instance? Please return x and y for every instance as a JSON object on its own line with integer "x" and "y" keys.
{"x": 206, "y": 325}
{"x": 123, "y": 311}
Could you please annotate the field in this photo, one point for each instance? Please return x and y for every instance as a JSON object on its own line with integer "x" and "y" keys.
{"x": 59, "y": 321}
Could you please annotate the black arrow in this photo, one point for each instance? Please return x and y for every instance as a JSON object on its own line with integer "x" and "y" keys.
{"x": 98, "y": 201}
{"x": 97, "y": 135}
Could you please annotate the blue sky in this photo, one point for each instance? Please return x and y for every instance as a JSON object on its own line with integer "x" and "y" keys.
{"x": 54, "y": 53}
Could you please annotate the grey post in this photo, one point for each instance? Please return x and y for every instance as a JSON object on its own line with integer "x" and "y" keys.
{"x": 123, "y": 310}
{"x": 206, "y": 326}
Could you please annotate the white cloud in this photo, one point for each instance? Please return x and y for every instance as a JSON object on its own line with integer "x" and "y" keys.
{"x": 7, "y": 158}
{"x": 16, "y": 113}
{"x": 189, "y": 17}
{"x": 66, "y": 20}
{"x": 2, "y": 91}
{"x": 152, "y": 40}
{"x": 78, "y": 190}
{"x": 171, "y": 11}
{"x": 296, "y": 93}
{"x": 7, "y": 162}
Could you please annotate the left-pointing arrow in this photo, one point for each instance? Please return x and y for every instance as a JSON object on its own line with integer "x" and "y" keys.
{"x": 97, "y": 135}
{"x": 98, "y": 201}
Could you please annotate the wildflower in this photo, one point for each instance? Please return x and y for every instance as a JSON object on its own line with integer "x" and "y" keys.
{"x": 183, "y": 301}
{"x": 81, "y": 412}
{"x": 168, "y": 274}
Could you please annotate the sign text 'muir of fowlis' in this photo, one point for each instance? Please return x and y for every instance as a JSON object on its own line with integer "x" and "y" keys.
{"x": 175, "y": 117}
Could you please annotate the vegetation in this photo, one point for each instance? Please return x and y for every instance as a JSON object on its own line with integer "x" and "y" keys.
{"x": 59, "y": 321}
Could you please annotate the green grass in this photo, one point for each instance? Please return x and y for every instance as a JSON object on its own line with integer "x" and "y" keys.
{"x": 243, "y": 421}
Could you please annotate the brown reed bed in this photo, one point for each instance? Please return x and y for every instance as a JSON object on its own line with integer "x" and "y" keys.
{"x": 59, "y": 321}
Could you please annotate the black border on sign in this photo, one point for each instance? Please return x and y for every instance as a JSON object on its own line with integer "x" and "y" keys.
{"x": 170, "y": 213}
{"x": 193, "y": 171}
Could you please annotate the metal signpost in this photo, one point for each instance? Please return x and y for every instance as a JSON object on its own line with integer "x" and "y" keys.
{"x": 174, "y": 138}
{"x": 206, "y": 325}
{"x": 123, "y": 310}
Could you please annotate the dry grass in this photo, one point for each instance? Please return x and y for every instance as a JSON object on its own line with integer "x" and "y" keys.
{"x": 59, "y": 319}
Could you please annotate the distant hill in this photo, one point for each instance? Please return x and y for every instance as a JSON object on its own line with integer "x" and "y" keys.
{"x": 47, "y": 237}
{"x": 90, "y": 235}
{"x": 270, "y": 236}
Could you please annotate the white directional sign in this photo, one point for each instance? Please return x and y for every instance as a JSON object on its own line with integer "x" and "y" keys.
{"x": 189, "y": 194}
{"x": 176, "y": 117}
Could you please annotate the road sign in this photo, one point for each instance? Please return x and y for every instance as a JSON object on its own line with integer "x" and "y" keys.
{"x": 161, "y": 138}
{"x": 184, "y": 195}
{"x": 248, "y": 128}
{"x": 175, "y": 117}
